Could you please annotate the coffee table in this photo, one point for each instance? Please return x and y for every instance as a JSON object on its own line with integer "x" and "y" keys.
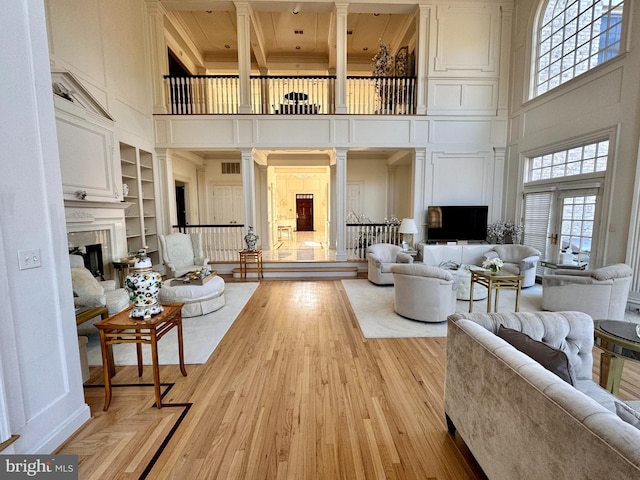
{"x": 495, "y": 281}
{"x": 618, "y": 341}
{"x": 120, "y": 328}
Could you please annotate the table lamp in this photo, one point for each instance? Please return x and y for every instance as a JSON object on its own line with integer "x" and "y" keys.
{"x": 407, "y": 227}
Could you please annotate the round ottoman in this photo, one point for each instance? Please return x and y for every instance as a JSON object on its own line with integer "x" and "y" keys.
{"x": 464, "y": 286}
{"x": 197, "y": 299}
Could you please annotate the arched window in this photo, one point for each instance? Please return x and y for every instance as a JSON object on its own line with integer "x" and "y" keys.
{"x": 572, "y": 37}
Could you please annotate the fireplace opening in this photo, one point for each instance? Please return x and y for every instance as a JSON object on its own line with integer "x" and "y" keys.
{"x": 92, "y": 256}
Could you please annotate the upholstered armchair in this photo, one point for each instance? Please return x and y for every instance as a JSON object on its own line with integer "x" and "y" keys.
{"x": 89, "y": 292}
{"x": 380, "y": 257}
{"x": 602, "y": 292}
{"x": 424, "y": 293}
{"x": 518, "y": 259}
{"x": 182, "y": 253}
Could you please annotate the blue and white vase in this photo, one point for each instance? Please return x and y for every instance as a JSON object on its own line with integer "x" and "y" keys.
{"x": 143, "y": 286}
{"x": 252, "y": 239}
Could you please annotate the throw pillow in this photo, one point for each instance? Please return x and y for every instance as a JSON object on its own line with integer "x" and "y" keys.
{"x": 628, "y": 414}
{"x": 84, "y": 283}
{"x": 554, "y": 360}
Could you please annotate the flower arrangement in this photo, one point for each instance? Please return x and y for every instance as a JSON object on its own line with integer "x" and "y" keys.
{"x": 493, "y": 264}
{"x": 497, "y": 232}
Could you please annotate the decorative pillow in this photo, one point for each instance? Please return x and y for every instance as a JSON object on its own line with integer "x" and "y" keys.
{"x": 628, "y": 414}
{"x": 554, "y": 360}
{"x": 84, "y": 283}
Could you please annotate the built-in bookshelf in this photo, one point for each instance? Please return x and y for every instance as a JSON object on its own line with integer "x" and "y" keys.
{"x": 139, "y": 189}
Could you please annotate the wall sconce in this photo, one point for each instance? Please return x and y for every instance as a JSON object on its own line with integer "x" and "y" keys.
{"x": 81, "y": 194}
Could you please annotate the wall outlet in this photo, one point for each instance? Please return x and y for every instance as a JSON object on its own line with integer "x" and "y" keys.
{"x": 29, "y": 259}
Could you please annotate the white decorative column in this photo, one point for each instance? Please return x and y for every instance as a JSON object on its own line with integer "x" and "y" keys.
{"x": 499, "y": 154}
{"x": 167, "y": 186}
{"x": 342, "y": 9}
{"x": 422, "y": 57}
{"x": 243, "y": 18}
{"x": 421, "y": 194}
{"x": 248, "y": 187}
{"x": 157, "y": 53}
{"x": 341, "y": 203}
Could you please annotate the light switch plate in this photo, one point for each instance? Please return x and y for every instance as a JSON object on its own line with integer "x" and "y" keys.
{"x": 29, "y": 259}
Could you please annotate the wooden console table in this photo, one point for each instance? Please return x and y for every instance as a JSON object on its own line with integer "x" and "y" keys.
{"x": 251, "y": 256}
{"x": 495, "y": 281}
{"x": 120, "y": 328}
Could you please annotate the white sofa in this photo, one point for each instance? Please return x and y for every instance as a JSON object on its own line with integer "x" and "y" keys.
{"x": 602, "y": 293}
{"x": 519, "y": 419}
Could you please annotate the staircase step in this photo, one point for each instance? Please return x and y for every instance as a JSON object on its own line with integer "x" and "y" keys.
{"x": 306, "y": 271}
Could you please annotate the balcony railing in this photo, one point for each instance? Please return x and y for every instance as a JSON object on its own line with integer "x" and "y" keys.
{"x": 290, "y": 95}
{"x": 221, "y": 243}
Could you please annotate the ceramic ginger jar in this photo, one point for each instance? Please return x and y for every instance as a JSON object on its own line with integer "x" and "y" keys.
{"x": 252, "y": 239}
{"x": 143, "y": 286}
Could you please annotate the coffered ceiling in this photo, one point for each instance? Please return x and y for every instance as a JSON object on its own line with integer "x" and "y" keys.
{"x": 286, "y": 37}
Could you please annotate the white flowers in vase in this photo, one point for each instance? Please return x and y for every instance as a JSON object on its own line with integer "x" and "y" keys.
{"x": 493, "y": 264}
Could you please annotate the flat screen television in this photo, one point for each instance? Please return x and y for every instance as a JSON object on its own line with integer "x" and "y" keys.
{"x": 453, "y": 223}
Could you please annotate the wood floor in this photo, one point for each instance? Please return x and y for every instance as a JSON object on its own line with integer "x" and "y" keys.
{"x": 293, "y": 391}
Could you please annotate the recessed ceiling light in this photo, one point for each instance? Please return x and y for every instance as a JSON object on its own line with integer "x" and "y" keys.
{"x": 365, "y": 49}
{"x": 376, "y": 14}
{"x": 227, "y": 46}
{"x": 209, "y": 11}
{"x": 297, "y": 47}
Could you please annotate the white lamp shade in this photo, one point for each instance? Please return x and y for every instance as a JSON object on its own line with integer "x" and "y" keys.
{"x": 408, "y": 225}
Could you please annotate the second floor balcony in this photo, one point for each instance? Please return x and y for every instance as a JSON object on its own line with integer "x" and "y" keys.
{"x": 289, "y": 95}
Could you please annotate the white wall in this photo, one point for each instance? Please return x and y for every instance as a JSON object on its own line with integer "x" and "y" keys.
{"x": 372, "y": 174}
{"x": 38, "y": 340}
{"x": 606, "y": 98}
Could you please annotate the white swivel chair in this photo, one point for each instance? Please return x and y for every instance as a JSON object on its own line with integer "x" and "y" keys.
{"x": 518, "y": 259}
{"x": 602, "y": 292}
{"x": 380, "y": 257}
{"x": 182, "y": 253}
{"x": 424, "y": 293}
{"x": 89, "y": 292}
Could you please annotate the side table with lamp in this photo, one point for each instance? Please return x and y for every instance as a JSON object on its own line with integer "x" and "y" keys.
{"x": 408, "y": 227}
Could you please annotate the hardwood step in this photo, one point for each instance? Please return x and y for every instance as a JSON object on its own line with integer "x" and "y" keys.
{"x": 302, "y": 271}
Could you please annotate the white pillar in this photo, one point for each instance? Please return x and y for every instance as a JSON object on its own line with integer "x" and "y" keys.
{"x": 421, "y": 193}
{"x": 243, "y": 19}
{"x": 248, "y": 187}
{"x": 422, "y": 57}
{"x": 157, "y": 54}
{"x": 342, "y": 9}
{"x": 341, "y": 203}
{"x": 499, "y": 155}
{"x": 167, "y": 186}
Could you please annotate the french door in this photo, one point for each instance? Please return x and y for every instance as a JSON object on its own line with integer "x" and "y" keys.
{"x": 562, "y": 221}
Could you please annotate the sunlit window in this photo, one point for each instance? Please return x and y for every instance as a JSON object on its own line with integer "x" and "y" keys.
{"x": 580, "y": 160}
{"x": 574, "y": 36}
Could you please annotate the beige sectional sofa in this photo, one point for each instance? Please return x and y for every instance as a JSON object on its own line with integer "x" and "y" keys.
{"x": 519, "y": 419}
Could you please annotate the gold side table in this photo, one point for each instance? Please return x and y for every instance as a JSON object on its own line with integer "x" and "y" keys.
{"x": 251, "y": 256}
{"x": 496, "y": 282}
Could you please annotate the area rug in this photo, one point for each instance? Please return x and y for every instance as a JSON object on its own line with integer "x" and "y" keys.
{"x": 373, "y": 307}
{"x": 201, "y": 335}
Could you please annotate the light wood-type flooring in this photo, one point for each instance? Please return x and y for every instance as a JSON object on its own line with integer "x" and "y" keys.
{"x": 293, "y": 391}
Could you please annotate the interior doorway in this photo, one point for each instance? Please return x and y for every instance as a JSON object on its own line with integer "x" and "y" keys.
{"x": 304, "y": 212}
{"x": 181, "y": 204}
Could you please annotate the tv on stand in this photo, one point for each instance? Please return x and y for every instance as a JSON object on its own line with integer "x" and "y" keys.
{"x": 454, "y": 223}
